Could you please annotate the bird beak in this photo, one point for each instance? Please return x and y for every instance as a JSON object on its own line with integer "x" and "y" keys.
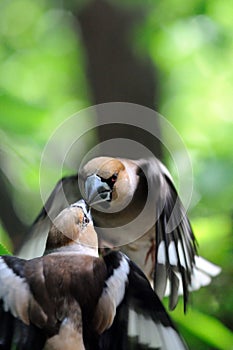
{"x": 96, "y": 190}
{"x": 85, "y": 207}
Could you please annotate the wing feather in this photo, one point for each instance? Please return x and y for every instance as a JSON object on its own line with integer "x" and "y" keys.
{"x": 65, "y": 192}
{"x": 173, "y": 235}
{"x": 141, "y": 321}
{"x": 16, "y": 331}
{"x": 176, "y": 228}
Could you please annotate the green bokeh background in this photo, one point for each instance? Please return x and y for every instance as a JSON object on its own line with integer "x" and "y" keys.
{"x": 43, "y": 82}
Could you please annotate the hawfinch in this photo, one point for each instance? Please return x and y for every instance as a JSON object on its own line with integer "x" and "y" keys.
{"x": 136, "y": 208}
{"x": 72, "y": 299}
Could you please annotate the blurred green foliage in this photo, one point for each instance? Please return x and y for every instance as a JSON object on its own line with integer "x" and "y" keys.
{"x": 4, "y": 250}
{"x": 43, "y": 81}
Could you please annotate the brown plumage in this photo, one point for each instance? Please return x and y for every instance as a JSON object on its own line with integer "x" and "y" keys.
{"x": 136, "y": 208}
{"x": 63, "y": 287}
{"x": 141, "y": 213}
{"x": 72, "y": 299}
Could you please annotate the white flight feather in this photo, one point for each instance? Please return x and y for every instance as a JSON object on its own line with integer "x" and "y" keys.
{"x": 206, "y": 266}
{"x": 116, "y": 283}
{"x": 172, "y": 254}
{"x": 202, "y": 273}
{"x": 181, "y": 254}
{"x": 170, "y": 338}
{"x": 144, "y": 329}
{"x": 14, "y": 292}
{"x": 153, "y": 334}
{"x": 161, "y": 253}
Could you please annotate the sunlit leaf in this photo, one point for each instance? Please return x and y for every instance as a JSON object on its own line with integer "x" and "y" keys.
{"x": 209, "y": 329}
{"x": 43, "y": 80}
{"x": 23, "y": 116}
{"x": 3, "y": 250}
{"x": 5, "y": 241}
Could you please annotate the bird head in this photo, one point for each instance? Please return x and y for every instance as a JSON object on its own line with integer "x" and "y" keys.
{"x": 107, "y": 183}
{"x": 73, "y": 228}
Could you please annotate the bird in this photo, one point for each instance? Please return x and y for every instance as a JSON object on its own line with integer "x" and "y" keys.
{"x": 71, "y": 298}
{"x": 136, "y": 208}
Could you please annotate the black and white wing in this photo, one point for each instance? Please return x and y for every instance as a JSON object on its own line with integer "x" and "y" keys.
{"x": 65, "y": 193}
{"x": 177, "y": 269}
{"x": 175, "y": 246}
{"x": 16, "y": 331}
{"x": 140, "y": 322}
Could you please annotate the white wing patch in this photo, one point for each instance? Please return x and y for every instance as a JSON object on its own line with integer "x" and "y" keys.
{"x": 111, "y": 297}
{"x": 202, "y": 272}
{"x": 116, "y": 283}
{"x": 144, "y": 329}
{"x": 151, "y": 334}
{"x": 201, "y": 276}
{"x": 172, "y": 252}
{"x": 181, "y": 254}
{"x": 14, "y": 292}
{"x": 206, "y": 266}
{"x": 171, "y": 339}
{"x": 162, "y": 253}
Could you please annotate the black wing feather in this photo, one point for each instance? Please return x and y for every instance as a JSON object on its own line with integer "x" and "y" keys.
{"x": 65, "y": 193}
{"x": 140, "y": 297}
{"x": 27, "y": 337}
{"x": 6, "y": 327}
{"x": 14, "y": 334}
{"x": 172, "y": 215}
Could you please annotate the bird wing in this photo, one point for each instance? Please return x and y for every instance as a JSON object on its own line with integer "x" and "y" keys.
{"x": 65, "y": 192}
{"x": 174, "y": 265}
{"x": 16, "y": 331}
{"x": 141, "y": 321}
{"x": 175, "y": 244}
{"x": 178, "y": 269}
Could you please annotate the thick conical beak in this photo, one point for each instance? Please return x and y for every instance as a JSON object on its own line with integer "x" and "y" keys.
{"x": 85, "y": 207}
{"x": 96, "y": 190}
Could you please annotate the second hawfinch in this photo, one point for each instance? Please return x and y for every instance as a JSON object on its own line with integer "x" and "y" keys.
{"x": 71, "y": 299}
{"x": 135, "y": 207}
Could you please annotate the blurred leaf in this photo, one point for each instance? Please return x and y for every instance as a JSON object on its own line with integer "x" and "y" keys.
{"x": 217, "y": 189}
{"x": 207, "y": 328}
{"x": 212, "y": 230}
{"x": 3, "y": 250}
{"x": 19, "y": 116}
{"x": 5, "y": 240}
{"x": 43, "y": 81}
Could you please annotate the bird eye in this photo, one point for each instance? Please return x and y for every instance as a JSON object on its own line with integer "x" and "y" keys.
{"x": 85, "y": 220}
{"x": 111, "y": 180}
{"x": 114, "y": 177}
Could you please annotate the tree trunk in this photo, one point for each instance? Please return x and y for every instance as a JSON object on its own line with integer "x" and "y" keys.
{"x": 115, "y": 72}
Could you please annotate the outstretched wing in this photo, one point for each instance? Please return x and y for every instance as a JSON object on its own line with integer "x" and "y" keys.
{"x": 65, "y": 192}
{"x": 141, "y": 321}
{"x": 177, "y": 268}
{"x": 16, "y": 331}
{"x": 175, "y": 246}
